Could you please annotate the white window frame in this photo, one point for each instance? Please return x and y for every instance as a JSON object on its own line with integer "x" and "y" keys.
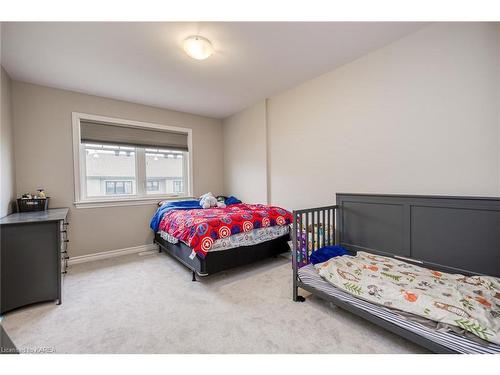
{"x": 79, "y": 165}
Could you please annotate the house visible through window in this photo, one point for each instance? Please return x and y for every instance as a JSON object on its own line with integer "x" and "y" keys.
{"x": 109, "y": 170}
{"x": 121, "y": 161}
{"x": 163, "y": 168}
{"x": 177, "y": 186}
{"x": 153, "y": 186}
{"x": 118, "y": 187}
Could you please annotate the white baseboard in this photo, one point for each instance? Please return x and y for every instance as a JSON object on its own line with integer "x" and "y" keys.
{"x": 111, "y": 254}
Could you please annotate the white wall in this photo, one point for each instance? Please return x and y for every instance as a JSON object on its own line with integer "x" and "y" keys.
{"x": 419, "y": 116}
{"x": 44, "y": 158}
{"x": 498, "y": 99}
{"x": 245, "y": 154}
{"x": 7, "y": 175}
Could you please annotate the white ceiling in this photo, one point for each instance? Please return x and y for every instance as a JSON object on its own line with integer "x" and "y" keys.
{"x": 144, "y": 63}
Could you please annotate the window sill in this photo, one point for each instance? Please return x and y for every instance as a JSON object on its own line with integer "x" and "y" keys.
{"x": 98, "y": 203}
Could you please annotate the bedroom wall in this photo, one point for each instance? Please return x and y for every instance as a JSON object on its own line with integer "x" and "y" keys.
{"x": 420, "y": 116}
{"x": 7, "y": 174}
{"x": 44, "y": 158}
{"x": 498, "y": 105}
{"x": 245, "y": 151}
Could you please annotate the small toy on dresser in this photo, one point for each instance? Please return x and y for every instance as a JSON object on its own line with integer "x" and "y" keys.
{"x": 40, "y": 193}
{"x": 33, "y": 202}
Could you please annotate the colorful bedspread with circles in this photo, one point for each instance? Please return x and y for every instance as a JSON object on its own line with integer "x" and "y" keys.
{"x": 201, "y": 227}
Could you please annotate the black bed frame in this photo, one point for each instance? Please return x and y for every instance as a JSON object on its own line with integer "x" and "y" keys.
{"x": 221, "y": 260}
{"x": 452, "y": 234}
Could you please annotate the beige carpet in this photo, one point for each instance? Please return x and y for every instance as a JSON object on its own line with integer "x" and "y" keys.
{"x": 148, "y": 304}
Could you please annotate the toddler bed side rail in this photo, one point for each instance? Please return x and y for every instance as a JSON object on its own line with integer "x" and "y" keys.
{"x": 312, "y": 229}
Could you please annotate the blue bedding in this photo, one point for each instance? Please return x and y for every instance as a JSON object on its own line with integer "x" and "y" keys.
{"x": 176, "y": 205}
{"x": 192, "y": 204}
{"x": 231, "y": 200}
{"x": 323, "y": 254}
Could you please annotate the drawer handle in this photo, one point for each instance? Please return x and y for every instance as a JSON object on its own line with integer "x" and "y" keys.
{"x": 66, "y": 241}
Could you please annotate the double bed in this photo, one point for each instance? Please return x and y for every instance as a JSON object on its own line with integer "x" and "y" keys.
{"x": 446, "y": 239}
{"x": 211, "y": 240}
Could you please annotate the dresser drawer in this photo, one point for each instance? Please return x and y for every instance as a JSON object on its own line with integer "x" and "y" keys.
{"x": 64, "y": 238}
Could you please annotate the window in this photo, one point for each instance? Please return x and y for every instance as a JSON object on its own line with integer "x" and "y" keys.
{"x": 177, "y": 186}
{"x": 163, "y": 168}
{"x": 105, "y": 165}
{"x": 118, "y": 187}
{"x": 126, "y": 161}
{"x": 153, "y": 186}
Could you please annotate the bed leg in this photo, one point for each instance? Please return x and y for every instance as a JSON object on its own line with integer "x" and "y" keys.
{"x": 296, "y": 297}
{"x": 194, "y": 276}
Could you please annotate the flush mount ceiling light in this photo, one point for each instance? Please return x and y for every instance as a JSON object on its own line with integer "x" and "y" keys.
{"x": 198, "y": 47}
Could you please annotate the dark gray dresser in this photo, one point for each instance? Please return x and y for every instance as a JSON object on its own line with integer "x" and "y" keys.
{"x": 33, "y": 257}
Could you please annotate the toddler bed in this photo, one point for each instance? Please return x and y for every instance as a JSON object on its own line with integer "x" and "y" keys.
{"x": 404, "y": 246}
{"x": 215, "y": 239}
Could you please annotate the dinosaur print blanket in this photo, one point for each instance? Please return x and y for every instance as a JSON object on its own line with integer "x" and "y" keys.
{"x": 470, "y": 303}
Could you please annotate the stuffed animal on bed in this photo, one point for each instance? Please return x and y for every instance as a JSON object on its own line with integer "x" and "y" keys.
{"x": 208, "y": 201}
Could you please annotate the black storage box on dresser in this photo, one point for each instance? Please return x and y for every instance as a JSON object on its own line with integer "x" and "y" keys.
{"x": 32, "y": 204}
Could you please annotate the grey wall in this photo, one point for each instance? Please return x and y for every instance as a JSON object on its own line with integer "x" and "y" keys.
{"x": 419, "y": 116}
{"x": 44, "y": 158}
{"x": 7, "y": 171}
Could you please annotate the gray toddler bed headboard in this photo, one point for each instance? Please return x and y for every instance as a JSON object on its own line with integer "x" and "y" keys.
{"x": 454, "y": 234}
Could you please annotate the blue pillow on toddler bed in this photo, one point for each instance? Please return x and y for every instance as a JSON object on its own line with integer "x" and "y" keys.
{"x": 323, "y": 254}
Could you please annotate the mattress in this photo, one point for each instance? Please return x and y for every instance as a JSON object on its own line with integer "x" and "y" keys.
{"x": 216, "y": 261}
{"x": 250, "y": 238}
{"x": 308, "y": 275}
